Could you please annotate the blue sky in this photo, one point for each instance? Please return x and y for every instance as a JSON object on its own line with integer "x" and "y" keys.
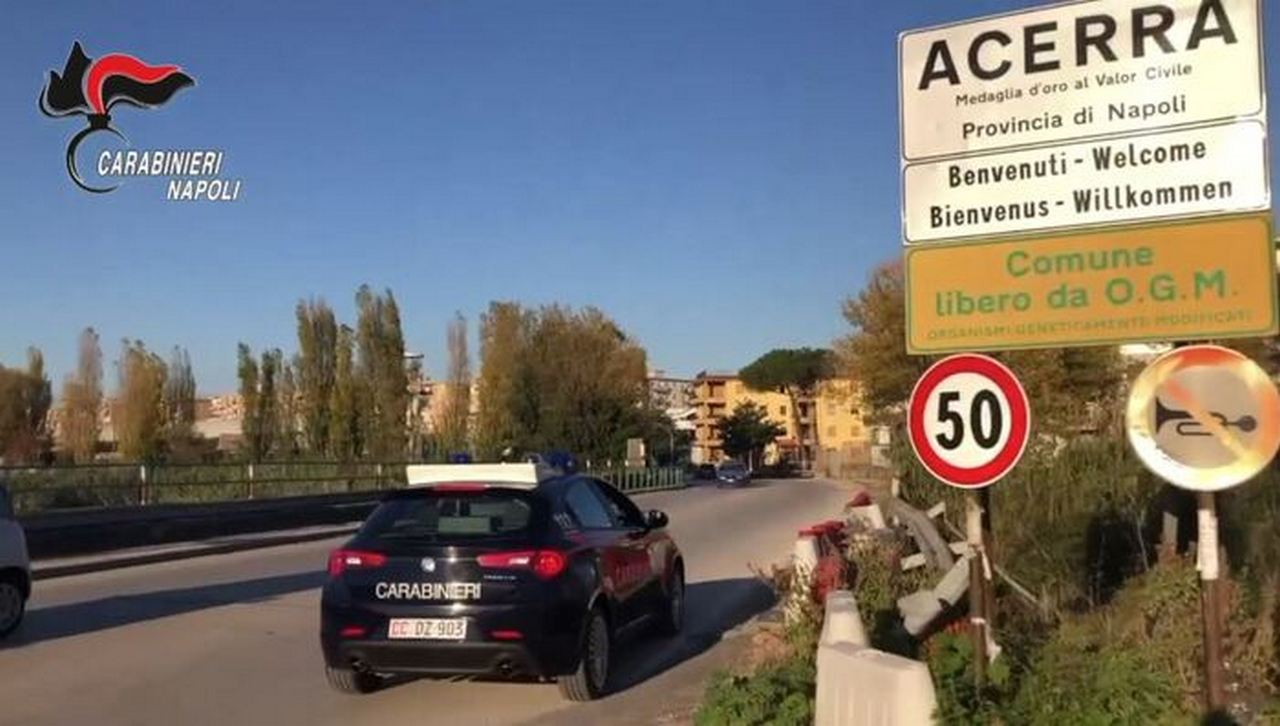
{"x": 717, "y": 175}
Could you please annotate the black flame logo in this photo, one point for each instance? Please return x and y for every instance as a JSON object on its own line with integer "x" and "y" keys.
{"x": 91, "y": 88}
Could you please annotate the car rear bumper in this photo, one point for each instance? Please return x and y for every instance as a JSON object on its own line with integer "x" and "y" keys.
{"x": 440, "y": 658}
{"x": 547, "y": 645}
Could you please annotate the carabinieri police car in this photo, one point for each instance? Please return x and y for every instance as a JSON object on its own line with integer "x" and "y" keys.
{"x": 509, "y": 570}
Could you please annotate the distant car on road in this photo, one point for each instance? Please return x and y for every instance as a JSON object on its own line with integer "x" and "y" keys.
{"x": 15, "y": 568}
{"x": 498, "y": 570}
{"x": 732, "y": 474}
{"x": 705, "y": 472}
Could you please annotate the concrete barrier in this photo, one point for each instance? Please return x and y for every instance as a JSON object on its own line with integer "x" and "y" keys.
{"x": 860, "y": 686}
{"x": 869, "y": 517}
{"x": 76, "y": 532}
{"x": 842, "y": 623}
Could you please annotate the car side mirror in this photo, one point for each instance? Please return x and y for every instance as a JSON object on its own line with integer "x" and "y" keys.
{"x": 655, "y": 519}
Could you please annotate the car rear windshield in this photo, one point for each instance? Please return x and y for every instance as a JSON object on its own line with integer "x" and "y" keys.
{"x": 430, "y": 516}
{"x": 733, "y": 468}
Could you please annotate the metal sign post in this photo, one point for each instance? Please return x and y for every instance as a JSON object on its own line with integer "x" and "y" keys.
{"x": 1205, "y": 418}
{"x": 1210, "y": 599}
{"x": 969, "y": 422}
{"x": 978, "y": 621}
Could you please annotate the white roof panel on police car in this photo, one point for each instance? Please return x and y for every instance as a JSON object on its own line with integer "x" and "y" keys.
{"x": 525, "y": 475}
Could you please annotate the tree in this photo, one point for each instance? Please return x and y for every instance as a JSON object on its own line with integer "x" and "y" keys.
{"x": 455, "y": 415}
{"x": 1264, "y": 351}
{"x": 25, "y": 399}
{"x": 316, "y": 369}
{"x": 797, "y": 373}
{"x": 381, "y": 371}
{"x": 139, "y": 415}
{"x": 247, "y": 372}
{"x": 287, "y": 406}
{"x": 666, "y": 444}
{"x": 82, "y": 401}
{"x": 1070, "y": 388}
{"x": 344, "y": 416}
{"x": 259, "y": 424}
{"x": 1067, "y": 386}
{"x": 559, "y": 379}
{"x": 875, "y": 353}
{"x": 180, "y": 402}
{"x": 747, "y": 431}
{"x": 501, "y": 339}
{"x": 268, "y": 400}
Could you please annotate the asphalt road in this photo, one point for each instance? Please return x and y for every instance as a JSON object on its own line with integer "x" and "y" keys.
{"x": 232, "y": 639}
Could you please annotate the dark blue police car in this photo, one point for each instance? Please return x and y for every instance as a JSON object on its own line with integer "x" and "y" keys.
{"x": 514, "y": 570}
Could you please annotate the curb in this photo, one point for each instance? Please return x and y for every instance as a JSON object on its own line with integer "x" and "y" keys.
{"x": 114, "y": 563}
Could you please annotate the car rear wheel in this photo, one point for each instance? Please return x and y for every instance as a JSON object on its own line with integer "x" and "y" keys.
{"x": 13, "y": 604}
{"x": 346, "y": 680}
{"x": 587, "y": 683}
{"x": 671, "y": 618}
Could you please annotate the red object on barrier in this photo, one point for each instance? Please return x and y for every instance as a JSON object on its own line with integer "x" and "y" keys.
{"x": 831, "y": 572}
{"x": 861, "y": 499}
{"x": 828, "y": 576}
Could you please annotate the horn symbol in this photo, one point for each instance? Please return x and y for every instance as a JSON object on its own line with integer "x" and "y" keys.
{"x": 1188, "y": 426}
{"x": 1164, "y": 415}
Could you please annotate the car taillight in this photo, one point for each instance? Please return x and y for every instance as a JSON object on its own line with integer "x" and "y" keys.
{"x": 546, "y": 564}
{"x": 506, "y": 560}
{"x": 342, "y": 560}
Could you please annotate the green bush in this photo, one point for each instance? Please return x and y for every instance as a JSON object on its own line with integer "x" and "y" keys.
{"x": 960, "y": 701}
{"x": 777, "y": 692}
{"x": 878, "y": 584}
{"x": 1080, "y": 681}
{"x": 1135, "y": 660}
{"x": 780, "y": 693}
{"x": 1074, "y": 517}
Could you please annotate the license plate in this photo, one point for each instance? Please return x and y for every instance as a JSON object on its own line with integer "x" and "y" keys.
{"x": 427, "y": 629}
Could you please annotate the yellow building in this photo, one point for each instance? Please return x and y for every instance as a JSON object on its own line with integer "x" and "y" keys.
{"x": 827, "y": 425}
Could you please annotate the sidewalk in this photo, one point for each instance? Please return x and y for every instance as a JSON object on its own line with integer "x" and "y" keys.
{"x": 79, "y": 564}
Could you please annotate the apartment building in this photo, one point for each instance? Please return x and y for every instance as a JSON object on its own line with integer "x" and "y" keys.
{"x": 828, "y": 422}
{"x": 668, "y": 393}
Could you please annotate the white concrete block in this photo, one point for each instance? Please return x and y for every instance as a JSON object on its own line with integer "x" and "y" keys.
{"x": 865, "y": 687}
{"x": 918, "y": 610}
{"x": 955, "y": 583}
{"x": 911, "y": 562}
{"x": 842, "y": 623}
{"x": 807, "y": 552}
{"x": 870, "y": 516}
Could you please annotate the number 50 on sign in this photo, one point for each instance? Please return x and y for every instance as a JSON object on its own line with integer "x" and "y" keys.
{"x": 969, "y": 420}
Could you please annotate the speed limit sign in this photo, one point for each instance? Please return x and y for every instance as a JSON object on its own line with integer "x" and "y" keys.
{"x": 969, "y": 420}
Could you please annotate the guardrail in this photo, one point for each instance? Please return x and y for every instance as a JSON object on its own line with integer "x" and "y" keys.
{"x": 42, "y": 489}
{"x": 639, "y": 480}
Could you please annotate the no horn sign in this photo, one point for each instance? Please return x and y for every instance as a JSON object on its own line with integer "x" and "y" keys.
{"x": 969, "y": 420}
